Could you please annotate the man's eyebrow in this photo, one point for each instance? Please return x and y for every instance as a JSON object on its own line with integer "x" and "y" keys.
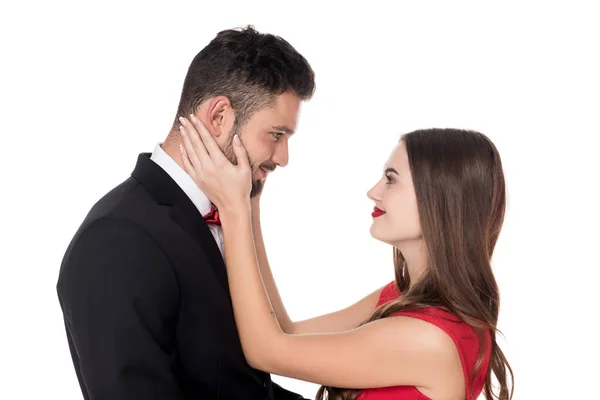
{"x": 282, "y": 128}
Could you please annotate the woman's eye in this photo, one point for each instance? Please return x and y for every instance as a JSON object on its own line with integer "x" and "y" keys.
{"x": 389, "y": 180}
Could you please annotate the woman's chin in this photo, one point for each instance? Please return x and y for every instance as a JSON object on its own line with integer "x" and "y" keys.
{"x": 386, "y": 237}
{"x": 376, "y": 233}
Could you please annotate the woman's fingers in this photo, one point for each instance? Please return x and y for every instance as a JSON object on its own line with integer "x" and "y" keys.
{"x": 187, "y": 165}
{"x": 209, "y": 142}
{"x": 193, "y": 144}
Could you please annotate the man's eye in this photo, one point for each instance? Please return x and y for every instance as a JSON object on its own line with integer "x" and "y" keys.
{"x": 277, "y": 135}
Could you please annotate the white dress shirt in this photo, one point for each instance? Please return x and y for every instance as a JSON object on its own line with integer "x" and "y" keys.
{"x": 189, "y": 187}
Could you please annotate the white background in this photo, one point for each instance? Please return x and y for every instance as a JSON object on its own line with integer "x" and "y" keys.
{"x": 86, "y": 86}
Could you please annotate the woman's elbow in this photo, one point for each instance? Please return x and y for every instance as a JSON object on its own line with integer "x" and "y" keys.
{"x": 264, "y": 358}
{"x": 258, "y": 359}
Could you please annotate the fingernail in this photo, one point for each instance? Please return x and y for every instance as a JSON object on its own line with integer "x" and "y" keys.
{"x": 193, "y": 117}
{"x": 236, "y": 140}
{"x": 182, "y": 120}
{"x": 181, "y": 149}
{"x": 182, "y": 131}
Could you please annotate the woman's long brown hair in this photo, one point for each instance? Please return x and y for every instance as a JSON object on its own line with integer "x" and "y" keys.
{"x": 461, "y": 196}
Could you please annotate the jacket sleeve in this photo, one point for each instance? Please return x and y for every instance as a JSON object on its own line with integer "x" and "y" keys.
{"x": 119, "y": 298}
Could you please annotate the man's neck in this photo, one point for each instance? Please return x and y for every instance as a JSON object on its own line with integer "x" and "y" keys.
{"x": 171, "y": 148}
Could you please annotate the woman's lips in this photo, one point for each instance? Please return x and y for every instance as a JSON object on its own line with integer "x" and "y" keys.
{"x": 377, "y": 212}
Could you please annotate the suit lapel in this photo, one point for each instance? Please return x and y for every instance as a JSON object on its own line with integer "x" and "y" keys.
{"x": 192, "y": 222}
{"x": 183, "y": 212}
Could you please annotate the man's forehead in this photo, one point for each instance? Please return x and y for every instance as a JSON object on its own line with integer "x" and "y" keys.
{"x": 276, "y": 120}
{"x": 286, "y": 111}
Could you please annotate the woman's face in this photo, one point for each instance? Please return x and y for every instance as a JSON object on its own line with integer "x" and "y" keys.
{"x": 396, "y": 216}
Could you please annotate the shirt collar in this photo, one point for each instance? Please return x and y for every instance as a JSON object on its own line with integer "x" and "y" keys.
{"x": 182, "y": 179}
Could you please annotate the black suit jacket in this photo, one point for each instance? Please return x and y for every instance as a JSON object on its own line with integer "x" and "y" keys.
{"x": 146, "y": 303}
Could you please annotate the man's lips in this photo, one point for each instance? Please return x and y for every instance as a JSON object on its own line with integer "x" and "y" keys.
{"x": 377, "y": 212}
{"x": 264, "y": 172}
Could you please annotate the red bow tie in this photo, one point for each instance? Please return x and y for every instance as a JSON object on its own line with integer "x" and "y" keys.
{"x": 213, "y": 216}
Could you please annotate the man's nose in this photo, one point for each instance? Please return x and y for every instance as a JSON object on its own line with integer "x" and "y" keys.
{"x": 281, "y": 156}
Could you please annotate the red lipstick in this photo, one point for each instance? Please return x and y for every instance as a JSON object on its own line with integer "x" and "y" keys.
{"x": 377, "y": 212}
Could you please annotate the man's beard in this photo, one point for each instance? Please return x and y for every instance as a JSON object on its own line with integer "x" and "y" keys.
{"x": 257, "y": 184}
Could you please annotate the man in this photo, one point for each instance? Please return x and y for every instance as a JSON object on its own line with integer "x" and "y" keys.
{"x": 143, "y": 285}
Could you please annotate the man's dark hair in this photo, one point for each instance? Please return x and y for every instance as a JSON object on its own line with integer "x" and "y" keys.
{"x": 250, "y": 68}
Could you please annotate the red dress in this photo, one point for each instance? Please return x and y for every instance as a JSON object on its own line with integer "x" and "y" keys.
{"x": 464, "y": 338}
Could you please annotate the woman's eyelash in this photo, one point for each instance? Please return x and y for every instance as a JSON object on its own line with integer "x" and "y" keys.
{"x": 389, "y": 179}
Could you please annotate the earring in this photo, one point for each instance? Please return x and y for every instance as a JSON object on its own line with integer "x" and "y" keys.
{"x": 403, "y": 268}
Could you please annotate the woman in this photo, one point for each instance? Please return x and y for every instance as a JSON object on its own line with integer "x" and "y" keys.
{"x": 440, "y": 204}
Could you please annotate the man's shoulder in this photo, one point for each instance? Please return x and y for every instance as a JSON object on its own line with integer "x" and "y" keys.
{"x": 121, "y": 205}
{"x": 119, "y": 197}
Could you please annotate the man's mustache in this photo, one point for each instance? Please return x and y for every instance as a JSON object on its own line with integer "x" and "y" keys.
{"x": 268, "y": 166}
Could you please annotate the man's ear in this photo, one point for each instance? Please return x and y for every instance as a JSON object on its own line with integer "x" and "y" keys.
{"x": 219, "y": 115}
